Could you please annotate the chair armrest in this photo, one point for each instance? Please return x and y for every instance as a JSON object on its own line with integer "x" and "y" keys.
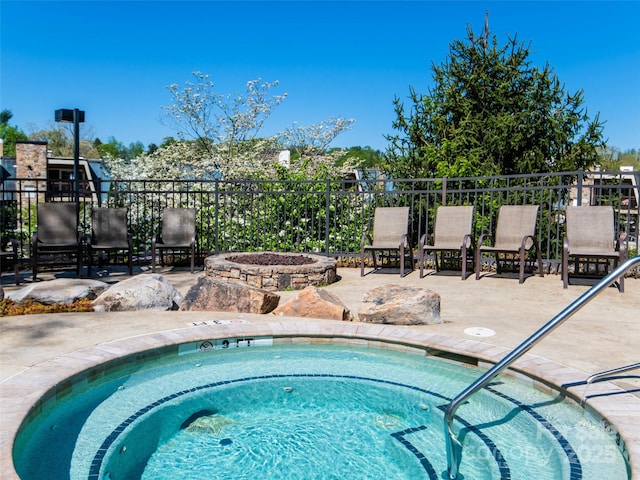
{"x": 423, "y": 240}
{"x": 523, "y": 245}
{"x": 622, "y": 249}
{"x": 467, "y": 241}
{"x": 482, "y": 239}
{"x": 405, "y": 240}
{"x": 364, "y": 239}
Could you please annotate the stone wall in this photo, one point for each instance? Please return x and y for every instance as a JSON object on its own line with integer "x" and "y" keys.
{"x": 31, "y": 162}
{"x": 272, "y": 277}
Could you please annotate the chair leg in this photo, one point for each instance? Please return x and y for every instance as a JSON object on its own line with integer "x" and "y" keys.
{"x": 463, "y": 261}
{"x": 193, "y": 254}
{"x": 402, "y": 261}
{"x": 421, "y": 261}
{"x": 362, "y": 262}
{"x": 523, "y": 258}
{"x": 478, "y": 263}
{"x": 565, "y": 268}
{"x": 16, "y": 269}
{"x": 34, "y": 264}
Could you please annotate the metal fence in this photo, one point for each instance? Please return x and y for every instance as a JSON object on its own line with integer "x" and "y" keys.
{"x": 326, "y": 217}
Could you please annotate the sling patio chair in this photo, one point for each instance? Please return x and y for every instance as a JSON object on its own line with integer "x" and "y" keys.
{"x": 515, "y": 235}
{"x": 590, "y": 240}
{"x": 12, "y": 255}
{"x": 390, "y": 233}
{"x": 178, "y": 233}
{"x": 56, "y": 234}
{"x": 109, "y": 233}
{"x": 452, "y": 233}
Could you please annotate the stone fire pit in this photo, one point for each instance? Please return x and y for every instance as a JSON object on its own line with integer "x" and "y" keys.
{"x": 272, "y": 271}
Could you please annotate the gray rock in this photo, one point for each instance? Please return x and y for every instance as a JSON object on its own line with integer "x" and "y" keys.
{"x": 211, "y": 294}
{"x": 313, "y": 302}
{"x": 58, "y": 291}
{"x": 142, "y": 292}
{"x": 400, "y": 305}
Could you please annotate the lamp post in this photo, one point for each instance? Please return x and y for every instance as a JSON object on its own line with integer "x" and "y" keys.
{"x": 76, "y": 117}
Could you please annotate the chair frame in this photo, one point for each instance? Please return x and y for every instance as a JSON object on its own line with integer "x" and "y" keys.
{"x": 525, "y": 216}
{"x": 125, "y": 244}
{"x": 170, "y": 214}
{"x": 12, "y": 254}
{"x": 65, "y": 215}
{"x": 597, "y": 222}
{"x": 452, "y": 233}
{"x": 383, "y": 240}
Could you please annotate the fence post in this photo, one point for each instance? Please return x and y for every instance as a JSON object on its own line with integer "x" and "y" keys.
{"x": 327, "y": 205}
{"x": 444, "y": 191}
{"x": 580, "y": 179}
{"x": 216, "y": 210}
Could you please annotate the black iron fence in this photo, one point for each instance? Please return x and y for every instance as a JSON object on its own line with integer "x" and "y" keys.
{"x": 326, "y": 217}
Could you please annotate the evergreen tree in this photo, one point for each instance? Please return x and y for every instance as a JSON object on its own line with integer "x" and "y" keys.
{"x": 489, "y": 112}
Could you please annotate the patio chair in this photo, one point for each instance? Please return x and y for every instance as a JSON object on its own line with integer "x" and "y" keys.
{"x": 178, "y": 233}
{"x": 452, "y": 233}
{"x": 515, "y": 234}
{"x": 591, "y": 235}
{"x": 109, "y": 233}
{"x": 390, "y": 233}
{"x": 56, "y": 234}
{"x": 12, "y": 254}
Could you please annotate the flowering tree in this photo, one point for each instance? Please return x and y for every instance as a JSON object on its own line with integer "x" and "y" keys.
{"x": 218, "y": 138}
{"x": 217, "y": 120}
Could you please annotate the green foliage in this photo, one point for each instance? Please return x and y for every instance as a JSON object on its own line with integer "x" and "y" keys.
{"x": 491, "y": 112}
{"x": 59, "y": 137}
{"x": 9, "y": 134}
{"x": 611, "y": 159}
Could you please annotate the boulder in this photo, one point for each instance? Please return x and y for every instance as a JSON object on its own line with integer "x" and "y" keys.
{"x": 400, "y": 305}
{"x": 211, "y": 294}
{"x": 313, "y": 302}
{"x": 59, "y": 291}
{"x": 149, "y": 291}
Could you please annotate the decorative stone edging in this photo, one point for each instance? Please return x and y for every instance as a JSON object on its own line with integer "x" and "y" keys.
{"x": 272, "y": 277}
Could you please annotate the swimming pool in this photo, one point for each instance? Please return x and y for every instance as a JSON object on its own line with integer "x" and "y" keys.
{"x": 210, "y": 410}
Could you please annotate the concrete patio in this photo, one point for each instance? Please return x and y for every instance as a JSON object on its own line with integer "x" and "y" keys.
{"x": 604, "y": 334}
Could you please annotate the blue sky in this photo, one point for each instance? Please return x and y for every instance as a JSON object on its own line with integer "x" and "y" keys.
{"x": 114, "y": 59}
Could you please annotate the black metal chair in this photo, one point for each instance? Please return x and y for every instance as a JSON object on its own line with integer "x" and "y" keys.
{"x": 56, "y": 234}
{"x": 109, "y": 233}
{"x": 178, "y": 233}
{"x": 13, "y": 255}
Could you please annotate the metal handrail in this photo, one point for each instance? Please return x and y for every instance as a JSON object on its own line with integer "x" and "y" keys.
{"x": 454, "y": 446}
{"x": 613, "y": 371}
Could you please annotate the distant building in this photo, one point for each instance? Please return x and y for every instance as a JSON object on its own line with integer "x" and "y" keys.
{"x": 50, "y": 178}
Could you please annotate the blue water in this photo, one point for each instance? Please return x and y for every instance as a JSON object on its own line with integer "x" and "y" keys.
{"x": 325, "y": 412}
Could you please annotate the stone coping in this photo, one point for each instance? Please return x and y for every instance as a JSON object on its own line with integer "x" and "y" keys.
{"x": 21, "y": 394}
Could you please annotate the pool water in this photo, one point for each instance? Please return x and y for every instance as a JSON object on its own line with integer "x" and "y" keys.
{"x": 325, "y": 412}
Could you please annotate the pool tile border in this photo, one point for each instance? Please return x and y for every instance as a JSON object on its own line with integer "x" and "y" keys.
{"x": 21, "y": 394}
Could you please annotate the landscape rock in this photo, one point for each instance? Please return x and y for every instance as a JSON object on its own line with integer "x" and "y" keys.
{"x": 59, "y": 291}
{"x": 313, "y": 302}
{"x": 400, "y": 305}
{"x": 149, "y": 291}
{"x": 211, "y": 294}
